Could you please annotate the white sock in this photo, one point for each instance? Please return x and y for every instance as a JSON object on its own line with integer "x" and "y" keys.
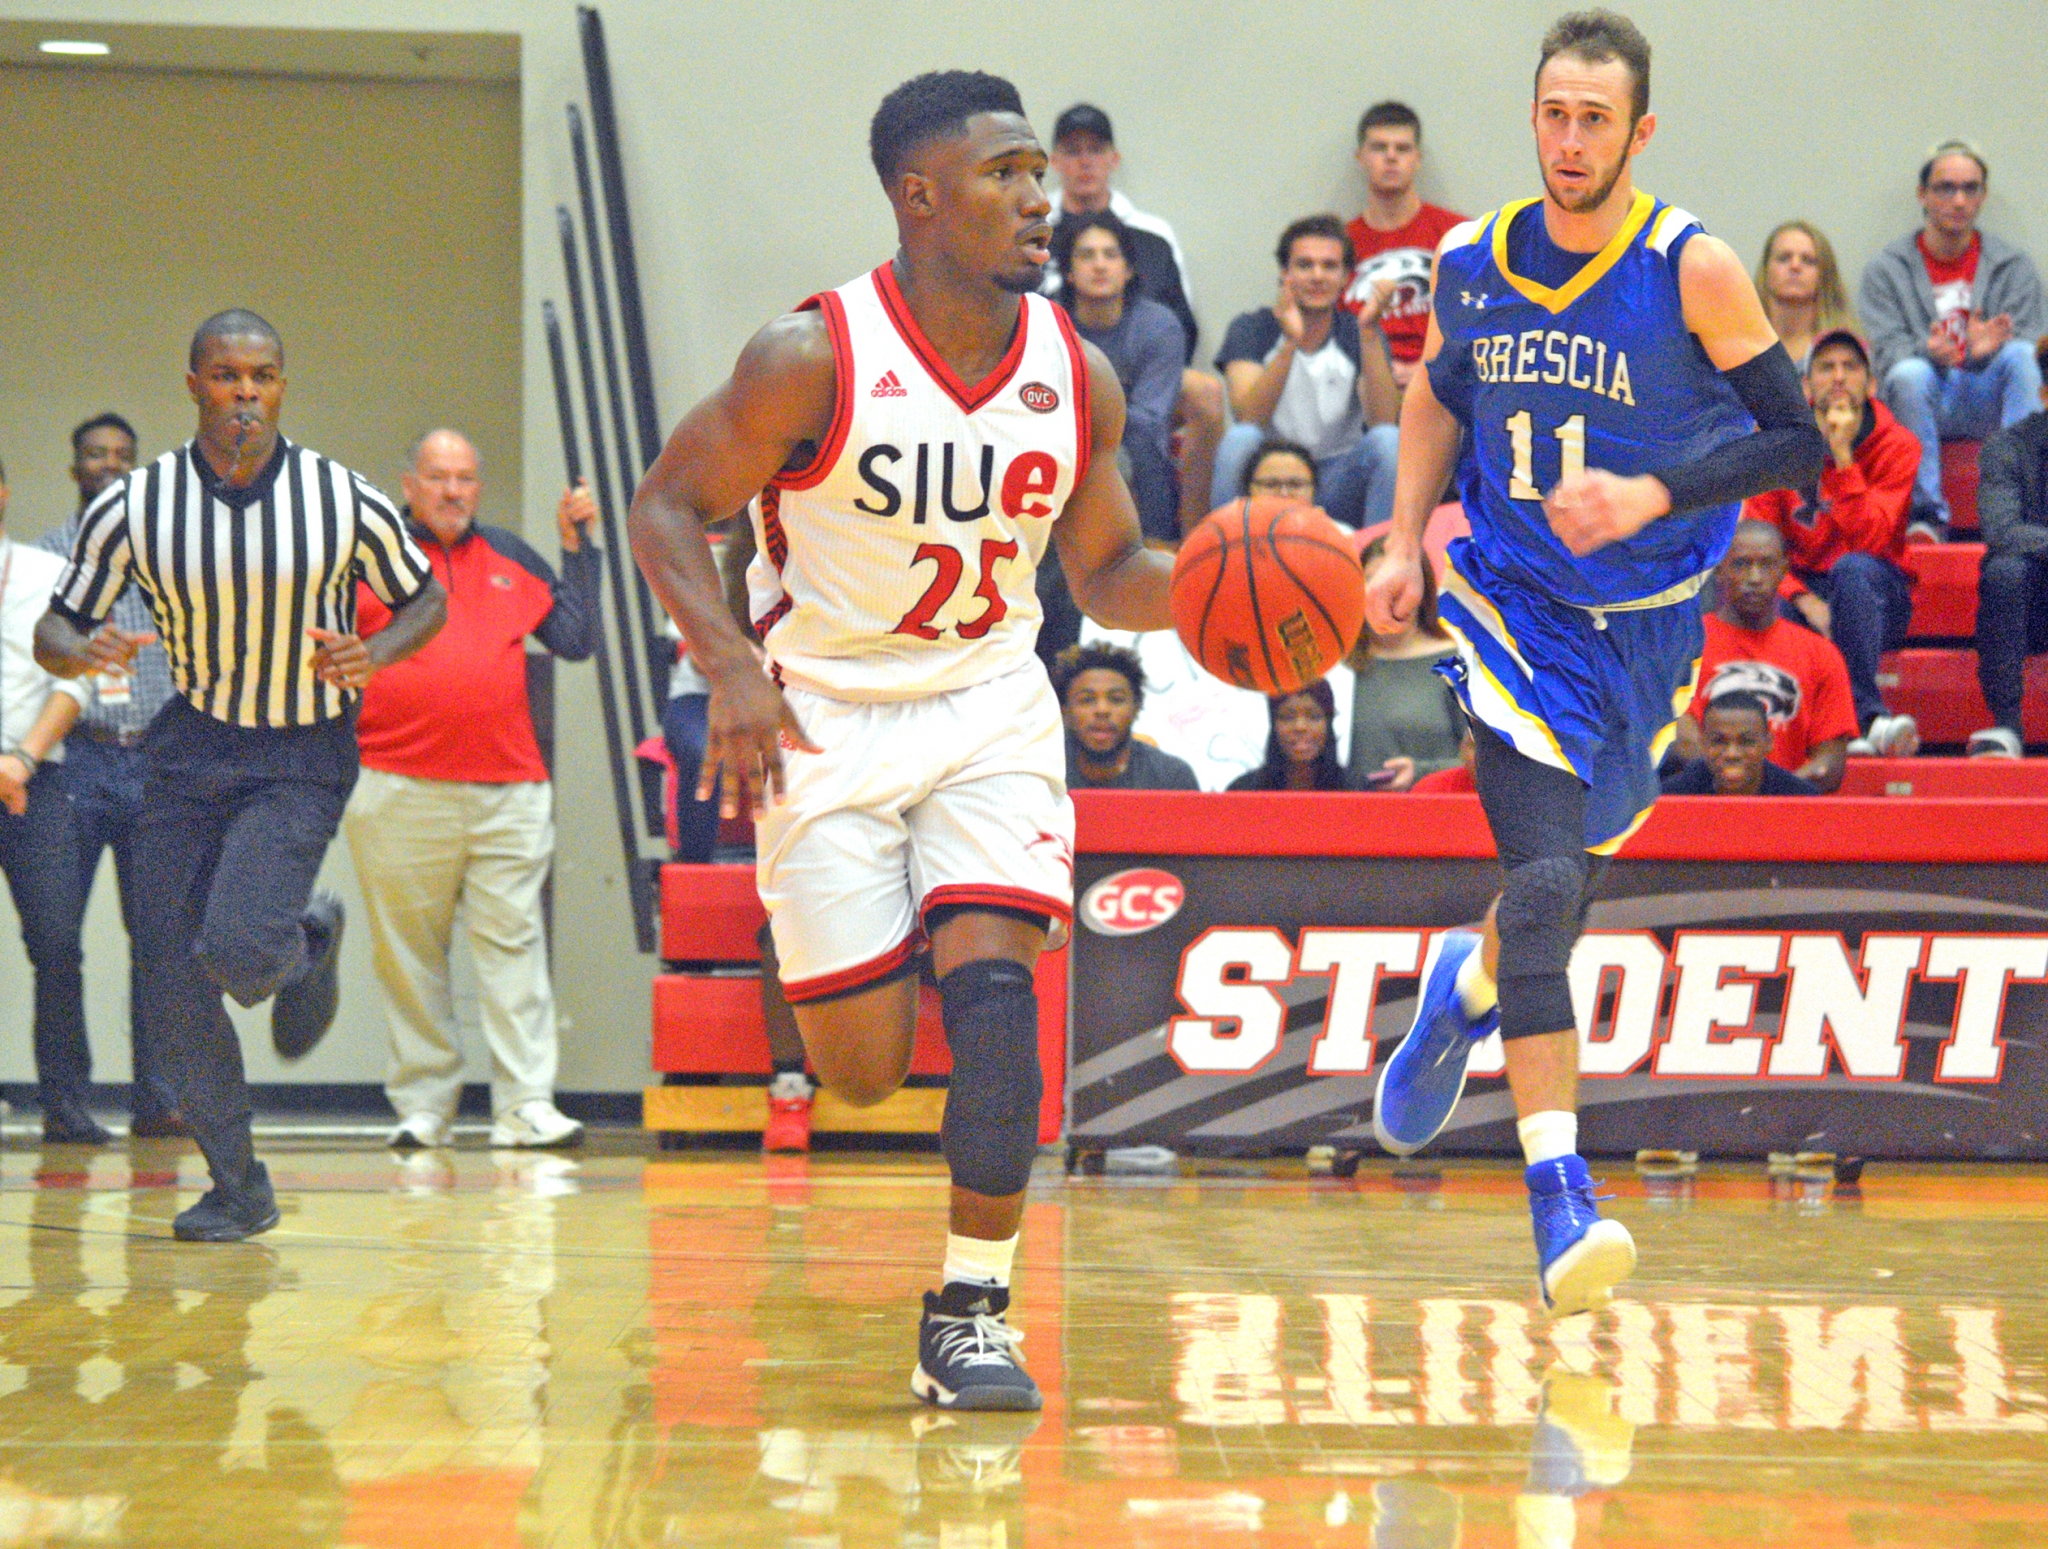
{"x": 790, "y": 1084}
{"x": 1548, "y": 1135}
{"x": 978, "y": 1261}
{"x": 1477, "y": 992}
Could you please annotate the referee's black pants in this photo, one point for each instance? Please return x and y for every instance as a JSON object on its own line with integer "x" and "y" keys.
{"x": 235, "y": 822}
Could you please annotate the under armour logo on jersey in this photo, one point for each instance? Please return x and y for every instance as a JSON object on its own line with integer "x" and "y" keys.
{"x": 889, "y": 387}
{"x": 1479, "y": 301}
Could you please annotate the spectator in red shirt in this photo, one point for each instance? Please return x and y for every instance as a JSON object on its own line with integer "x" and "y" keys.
{"x": 454, "y": 805}
{"x": 1798, "y": 676}
{"x": 1394, "y": 239}
{"x": 1845, "y": 536}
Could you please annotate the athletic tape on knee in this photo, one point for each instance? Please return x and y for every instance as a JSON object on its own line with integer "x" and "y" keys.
{"x": 990, "y": 1132}
{"x": 1540, "y": 911}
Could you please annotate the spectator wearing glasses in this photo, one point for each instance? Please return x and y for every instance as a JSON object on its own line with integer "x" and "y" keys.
{"x": 1285, "y": 470}
{"x": 1953, "y": 312}
{"x": 1800, "y": 285}
{"x": 1394, "y": 238}
{"x": 2012, "y": 591}
{"x": 1308, "y": 370}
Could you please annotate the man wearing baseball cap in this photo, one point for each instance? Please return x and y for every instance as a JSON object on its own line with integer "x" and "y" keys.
{"x": 1845, "y": 537}
{"x": 1953, "y": 313}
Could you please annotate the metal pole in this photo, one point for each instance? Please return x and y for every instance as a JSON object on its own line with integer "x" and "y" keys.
{"x": 639, "y": 892}
{"x": 660, "y": 654}
{"x": 604, "y": 127}
{"x": 601, "y": 476}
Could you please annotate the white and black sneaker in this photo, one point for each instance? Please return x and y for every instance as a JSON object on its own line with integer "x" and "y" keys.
{"x": 1995, "y": 742}
{"x": 967, "y": 1354}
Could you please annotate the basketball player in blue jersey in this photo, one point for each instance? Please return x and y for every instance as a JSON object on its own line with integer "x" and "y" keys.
{"x": 1616, "y": 391}
{"x": 907, "y": 445}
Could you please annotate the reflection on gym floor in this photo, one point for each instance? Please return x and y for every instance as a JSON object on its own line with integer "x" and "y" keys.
{"x": 495, "y": 1350}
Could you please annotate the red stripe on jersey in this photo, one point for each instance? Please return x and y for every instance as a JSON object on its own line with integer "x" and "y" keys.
{"x": 1084, "y": 412}
{"x": 797, "y": 991}
{"x": 771, "y": 526}
{"x": 1010, "y": 897}
{"x": 969, "y": 398}
{"x": 833, "y": 310}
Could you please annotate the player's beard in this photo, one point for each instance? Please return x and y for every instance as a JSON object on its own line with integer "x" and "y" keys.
{"x": 1586, "y": 204}
{"x": 1026, "y": 283}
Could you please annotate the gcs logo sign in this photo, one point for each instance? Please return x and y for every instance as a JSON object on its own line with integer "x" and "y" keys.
{"x": 1128, "y": 903}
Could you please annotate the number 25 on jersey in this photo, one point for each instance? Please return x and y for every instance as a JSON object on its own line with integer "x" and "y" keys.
{"x": 1571, "y": 452}
{"x": 952, "y": 564}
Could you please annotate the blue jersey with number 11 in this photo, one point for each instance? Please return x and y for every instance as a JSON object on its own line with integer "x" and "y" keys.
{"x": 1555, "y": 362}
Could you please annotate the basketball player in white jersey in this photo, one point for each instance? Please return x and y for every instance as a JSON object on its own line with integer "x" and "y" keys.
{"x": 909, "y": 444}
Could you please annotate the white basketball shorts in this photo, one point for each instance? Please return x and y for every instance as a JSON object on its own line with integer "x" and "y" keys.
{"x": 956, "y": 798}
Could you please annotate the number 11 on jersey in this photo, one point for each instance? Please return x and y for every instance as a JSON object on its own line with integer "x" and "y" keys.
{"x": 1571, "y": 452}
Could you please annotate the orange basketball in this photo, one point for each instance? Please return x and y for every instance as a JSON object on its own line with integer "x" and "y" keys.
{"x": 1268, "y": 594}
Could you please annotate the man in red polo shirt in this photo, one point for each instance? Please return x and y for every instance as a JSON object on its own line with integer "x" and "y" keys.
{"x": 1394, "y": 239}
{"x": 1845, "y": 537}
{"x": 454, "y": 805}
{"x": 1798, "y": 676}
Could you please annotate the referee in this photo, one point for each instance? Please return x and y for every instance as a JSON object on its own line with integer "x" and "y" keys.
{"x": 247, "y": 549}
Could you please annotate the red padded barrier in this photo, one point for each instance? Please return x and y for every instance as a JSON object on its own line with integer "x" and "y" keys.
{"x": 706, "y": 1025}
{"x": 1938, "y": 688}
{"x": 710, "y": 914}
{"x": 1978, "y": 778}
{"x": 1944, "y": 588}
{"x": 1959, "y": 483}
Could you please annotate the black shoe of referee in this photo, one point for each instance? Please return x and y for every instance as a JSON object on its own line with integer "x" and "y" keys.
{"x": 223, "y": 1215}
{"x": 304, "y": 1008}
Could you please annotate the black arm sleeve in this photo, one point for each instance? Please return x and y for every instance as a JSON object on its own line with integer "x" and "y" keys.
{"x": 1787, "y": 451}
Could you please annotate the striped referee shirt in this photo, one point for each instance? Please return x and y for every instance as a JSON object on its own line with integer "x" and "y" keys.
{"x": 235, "y": 577}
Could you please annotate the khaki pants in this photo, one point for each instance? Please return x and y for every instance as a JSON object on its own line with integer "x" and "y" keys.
{"x": 421, "y": 847}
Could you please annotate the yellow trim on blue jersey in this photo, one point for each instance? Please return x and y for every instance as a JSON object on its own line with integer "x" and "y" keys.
{"x": 1557, "y": 300}
{"x": 1481, "y": 607}
{"x": 1609, "y": 846}
{"x": 1527, "y": 721}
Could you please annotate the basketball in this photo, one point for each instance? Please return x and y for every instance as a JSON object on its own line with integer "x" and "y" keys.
{"x": 1268, "y": 594}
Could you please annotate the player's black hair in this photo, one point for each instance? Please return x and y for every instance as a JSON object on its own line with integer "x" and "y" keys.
{"x": 1272, "y": 775}
{"x": 1069, "y": 232}
{"x": 106, "y": 421}
{"x": 933, "y": 106}
{"x": 1095, "y": 656}
{"x": 1742, "y": 699}
{"x": 1596, "y": 37}
{"x": 235, "y": 323}
{"x": 1390, "y": 115}
{"x": 1315, "y": 226}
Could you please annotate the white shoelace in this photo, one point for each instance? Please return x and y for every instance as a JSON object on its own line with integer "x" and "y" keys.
{"x": 979, "y": 1339}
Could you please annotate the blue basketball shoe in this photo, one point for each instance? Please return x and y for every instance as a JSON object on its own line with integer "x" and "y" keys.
{"x": 1580, "y": 1257}
{"x": 1422, "y": 1079}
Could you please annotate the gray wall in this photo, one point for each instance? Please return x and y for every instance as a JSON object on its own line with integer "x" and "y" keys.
{"x": 745, "y": 148}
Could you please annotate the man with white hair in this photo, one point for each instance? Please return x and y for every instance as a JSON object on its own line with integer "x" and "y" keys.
{"x": 454, "y": 806}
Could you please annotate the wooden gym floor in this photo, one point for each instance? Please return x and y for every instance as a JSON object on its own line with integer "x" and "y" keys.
{"x": 476, "y": 1349}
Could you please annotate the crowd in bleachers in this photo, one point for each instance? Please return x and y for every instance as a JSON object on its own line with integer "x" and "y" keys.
{"x": 1927, "y": 390}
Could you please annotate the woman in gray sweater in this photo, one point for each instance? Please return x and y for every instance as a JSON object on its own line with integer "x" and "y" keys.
{"x": 1405, "y": 723}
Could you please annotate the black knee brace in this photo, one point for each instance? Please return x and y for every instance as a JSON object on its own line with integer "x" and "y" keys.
{"x": 1541, "y": 910}
{"x": 990, "y": 1132}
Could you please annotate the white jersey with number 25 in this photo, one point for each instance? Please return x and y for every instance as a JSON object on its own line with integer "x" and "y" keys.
{"x": 902, "y": 560}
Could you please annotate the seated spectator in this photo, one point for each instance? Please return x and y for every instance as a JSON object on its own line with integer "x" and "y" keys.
{"x": 1800, "y": 285}
{"x": 1455, "y": 781}
{"x": 1394, "y": 239}
{"x": 1953, "y": 313}
{"x": 1283, "y": 470}
{"x": 1798, "y": 675}
{"x": 1301, "y": 755}
{"x": 1145, "y": 345}
{"x": 1101, "y": 688}
{"x": 1405, "y": 721}
{"x": 1845, "y": 536}
{"x": 1736, "y": 736}
{"x": 2012, "y": 590}
{"x": 1084, "y": 158}
{"x": 1310, "y": 371}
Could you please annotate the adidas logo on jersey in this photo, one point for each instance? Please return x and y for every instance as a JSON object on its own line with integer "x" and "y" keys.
{"x": 889, "y": 387}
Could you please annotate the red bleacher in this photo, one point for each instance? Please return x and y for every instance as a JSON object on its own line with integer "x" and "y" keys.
{"x": 1976, "y": 779}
